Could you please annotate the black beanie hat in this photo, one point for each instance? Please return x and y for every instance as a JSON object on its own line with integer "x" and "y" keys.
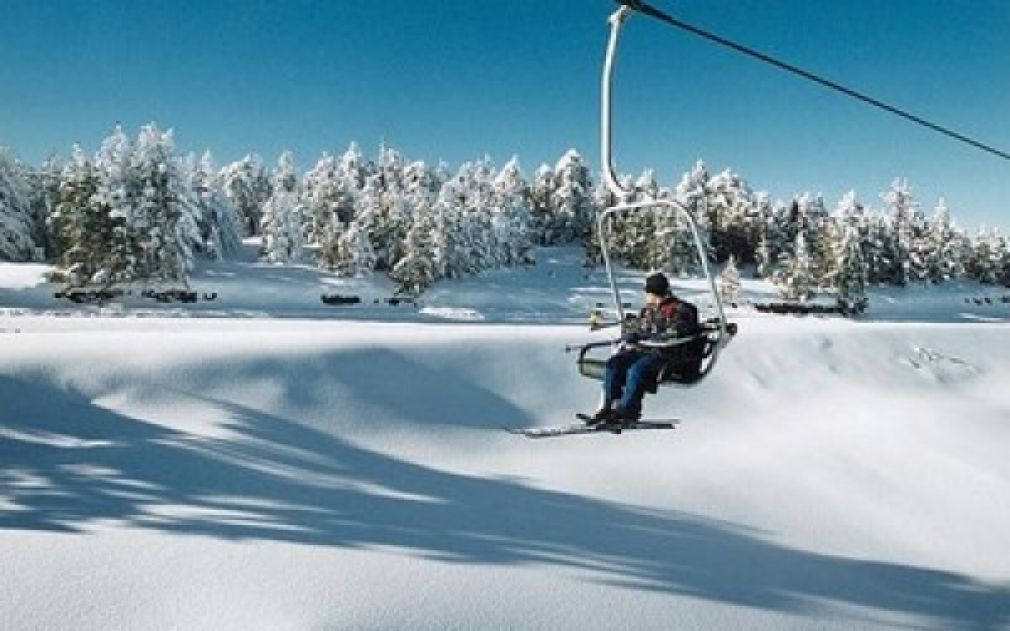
{"x": 657, "y": 284}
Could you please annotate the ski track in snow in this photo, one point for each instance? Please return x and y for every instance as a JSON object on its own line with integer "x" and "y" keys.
{"x": 303, "y": 473}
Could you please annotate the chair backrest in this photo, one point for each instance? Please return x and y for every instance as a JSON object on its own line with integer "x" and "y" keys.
{"x": 685, "y": 367}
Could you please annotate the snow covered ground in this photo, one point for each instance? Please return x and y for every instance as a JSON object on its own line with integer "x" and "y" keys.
{"x": 344, "y": 467}
{"x": 559, "y": 289}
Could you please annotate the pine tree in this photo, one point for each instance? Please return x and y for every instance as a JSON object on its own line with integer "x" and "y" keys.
{"x": 218, "y": 223}
{"x": 639, "y": 247}
{"x": 356, "y": 254}
{"x": 849, "y": 211}
{"x": 729, "y": 282}
{"x": 333, "y": 190}
{"x": 366, "y": 238}
{"x": 761, "y": 230}
{"x": 692, "y": 193}
{"x": 393, "y": 218}
{"x": 542, "y": 196}
{"x": 440, "y": 176}
{"x": 420, "y": 185}
{"x": 809, "y": 216}
{"x": 485, "y": 249}
{"x": 368, "y": 207}
{"x": 730, "y": 204}
{"x": 795, "y": 278}
{"x": 906, "y": 224}
{"x": 352, "y": 172}
{"x": 830, "y": 236}
{"x": 878, "y": 250}
{"x": 850, "y": 281}
{"x": 321, "y": 197}
{"x": 391, "y": 167}
{"x": 946, "y": 247}
{"x": 673, "y": 245}
{"x": 1001, "y": 262}
{"x": 78, "y": 220}
{"x": 572, "y": 198}
{"x": 44, "y": 192}
{"x": 164, "y": 217}
{"x": 763, "y": 259}
{"x": 512, "y": 215}
{"x": 116, "y": 236}
{"x": 416, "y": 270}
{"x": 449, "y": 253}
{"x": 282, "y": 222}
{"x": 752, "y": 218}
{"x": 777, "y": 233}
{"x": 988, "y": 260}
{"x": 398, "y": 213}
{"x": 246, "y": 184}
{"x": 329, "y": 251}
{"x": 659, "y": 253}
{"x": 17, "y": 241}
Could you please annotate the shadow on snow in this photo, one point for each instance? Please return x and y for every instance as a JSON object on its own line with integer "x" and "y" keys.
{"x": 67, "y": 462}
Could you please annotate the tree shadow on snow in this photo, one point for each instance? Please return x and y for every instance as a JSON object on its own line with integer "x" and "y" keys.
{"x": 386, "y": 385}
{"x": 67, "y": 463}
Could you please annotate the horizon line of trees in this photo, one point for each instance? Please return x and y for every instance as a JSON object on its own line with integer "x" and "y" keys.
{"x": 801, "y": 246}
{"x": 136, "y": 212}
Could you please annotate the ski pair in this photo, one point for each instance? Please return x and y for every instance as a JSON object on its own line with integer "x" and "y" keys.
{"x": 585, "y": 428}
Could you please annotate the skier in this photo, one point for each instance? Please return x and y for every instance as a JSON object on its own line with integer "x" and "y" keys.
{"x": 656, "y": 338}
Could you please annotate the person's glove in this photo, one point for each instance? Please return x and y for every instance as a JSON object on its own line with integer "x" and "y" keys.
{"x": 632, "y": 337}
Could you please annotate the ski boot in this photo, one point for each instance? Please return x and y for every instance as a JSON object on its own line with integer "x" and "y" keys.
{"x": 603, "y": 416}
{"x": 621, "y": 418}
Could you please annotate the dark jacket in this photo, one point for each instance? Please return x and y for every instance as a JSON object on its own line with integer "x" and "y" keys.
{"x": 670, "y": 330}
{"x": 663, "y": 325}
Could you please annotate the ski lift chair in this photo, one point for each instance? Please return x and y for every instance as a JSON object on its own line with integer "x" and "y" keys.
{"x": 692, "y": 361}
{"x": 696, "y": 355}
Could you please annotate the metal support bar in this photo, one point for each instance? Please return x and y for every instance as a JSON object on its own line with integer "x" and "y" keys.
{"x": 606, "y": 120}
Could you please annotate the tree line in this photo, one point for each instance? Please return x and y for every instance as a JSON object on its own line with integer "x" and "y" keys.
{"x": 804, "y": 247}
{"x": 135, "y": 211}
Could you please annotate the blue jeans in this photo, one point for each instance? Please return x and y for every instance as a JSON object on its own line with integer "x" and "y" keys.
{"x": 628, "y": 374}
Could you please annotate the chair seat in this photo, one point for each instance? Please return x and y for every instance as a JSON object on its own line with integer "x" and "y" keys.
{"x": 593, "y": 368}
{"x": 685, "y": 367}
{"x": 597, "y": 369}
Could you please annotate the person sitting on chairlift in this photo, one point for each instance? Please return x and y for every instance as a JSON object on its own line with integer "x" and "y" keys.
{"x": 660, "y": 338}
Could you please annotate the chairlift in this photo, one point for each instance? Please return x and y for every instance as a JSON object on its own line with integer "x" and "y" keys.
{"x": 700, "y": 351}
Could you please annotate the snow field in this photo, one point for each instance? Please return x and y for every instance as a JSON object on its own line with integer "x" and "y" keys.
{"x": 293, "y": 474}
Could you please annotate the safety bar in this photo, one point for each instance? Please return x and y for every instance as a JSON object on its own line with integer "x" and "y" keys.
{"x": 604, "y": 233}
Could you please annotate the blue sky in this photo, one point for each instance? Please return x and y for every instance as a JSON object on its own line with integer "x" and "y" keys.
{"x": 455, "y": 80}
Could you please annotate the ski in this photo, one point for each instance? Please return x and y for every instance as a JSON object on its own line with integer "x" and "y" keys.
{"x": 582, "y": 428}
{"x": 656, "y": 423}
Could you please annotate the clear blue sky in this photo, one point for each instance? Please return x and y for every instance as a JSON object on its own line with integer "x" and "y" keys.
{"x": 456, "y": 80}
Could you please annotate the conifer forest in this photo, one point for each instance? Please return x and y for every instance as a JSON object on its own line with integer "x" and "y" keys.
{"x": 135, "y": 211}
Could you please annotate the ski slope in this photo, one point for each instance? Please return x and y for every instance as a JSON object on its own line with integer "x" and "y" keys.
{"x": 288, "y": 473}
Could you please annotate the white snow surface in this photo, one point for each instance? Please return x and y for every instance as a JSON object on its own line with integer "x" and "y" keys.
{"x": 232, "y": 472}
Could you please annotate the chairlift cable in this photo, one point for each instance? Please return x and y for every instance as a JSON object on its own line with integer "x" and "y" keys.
{"x": 646, "y": 9}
